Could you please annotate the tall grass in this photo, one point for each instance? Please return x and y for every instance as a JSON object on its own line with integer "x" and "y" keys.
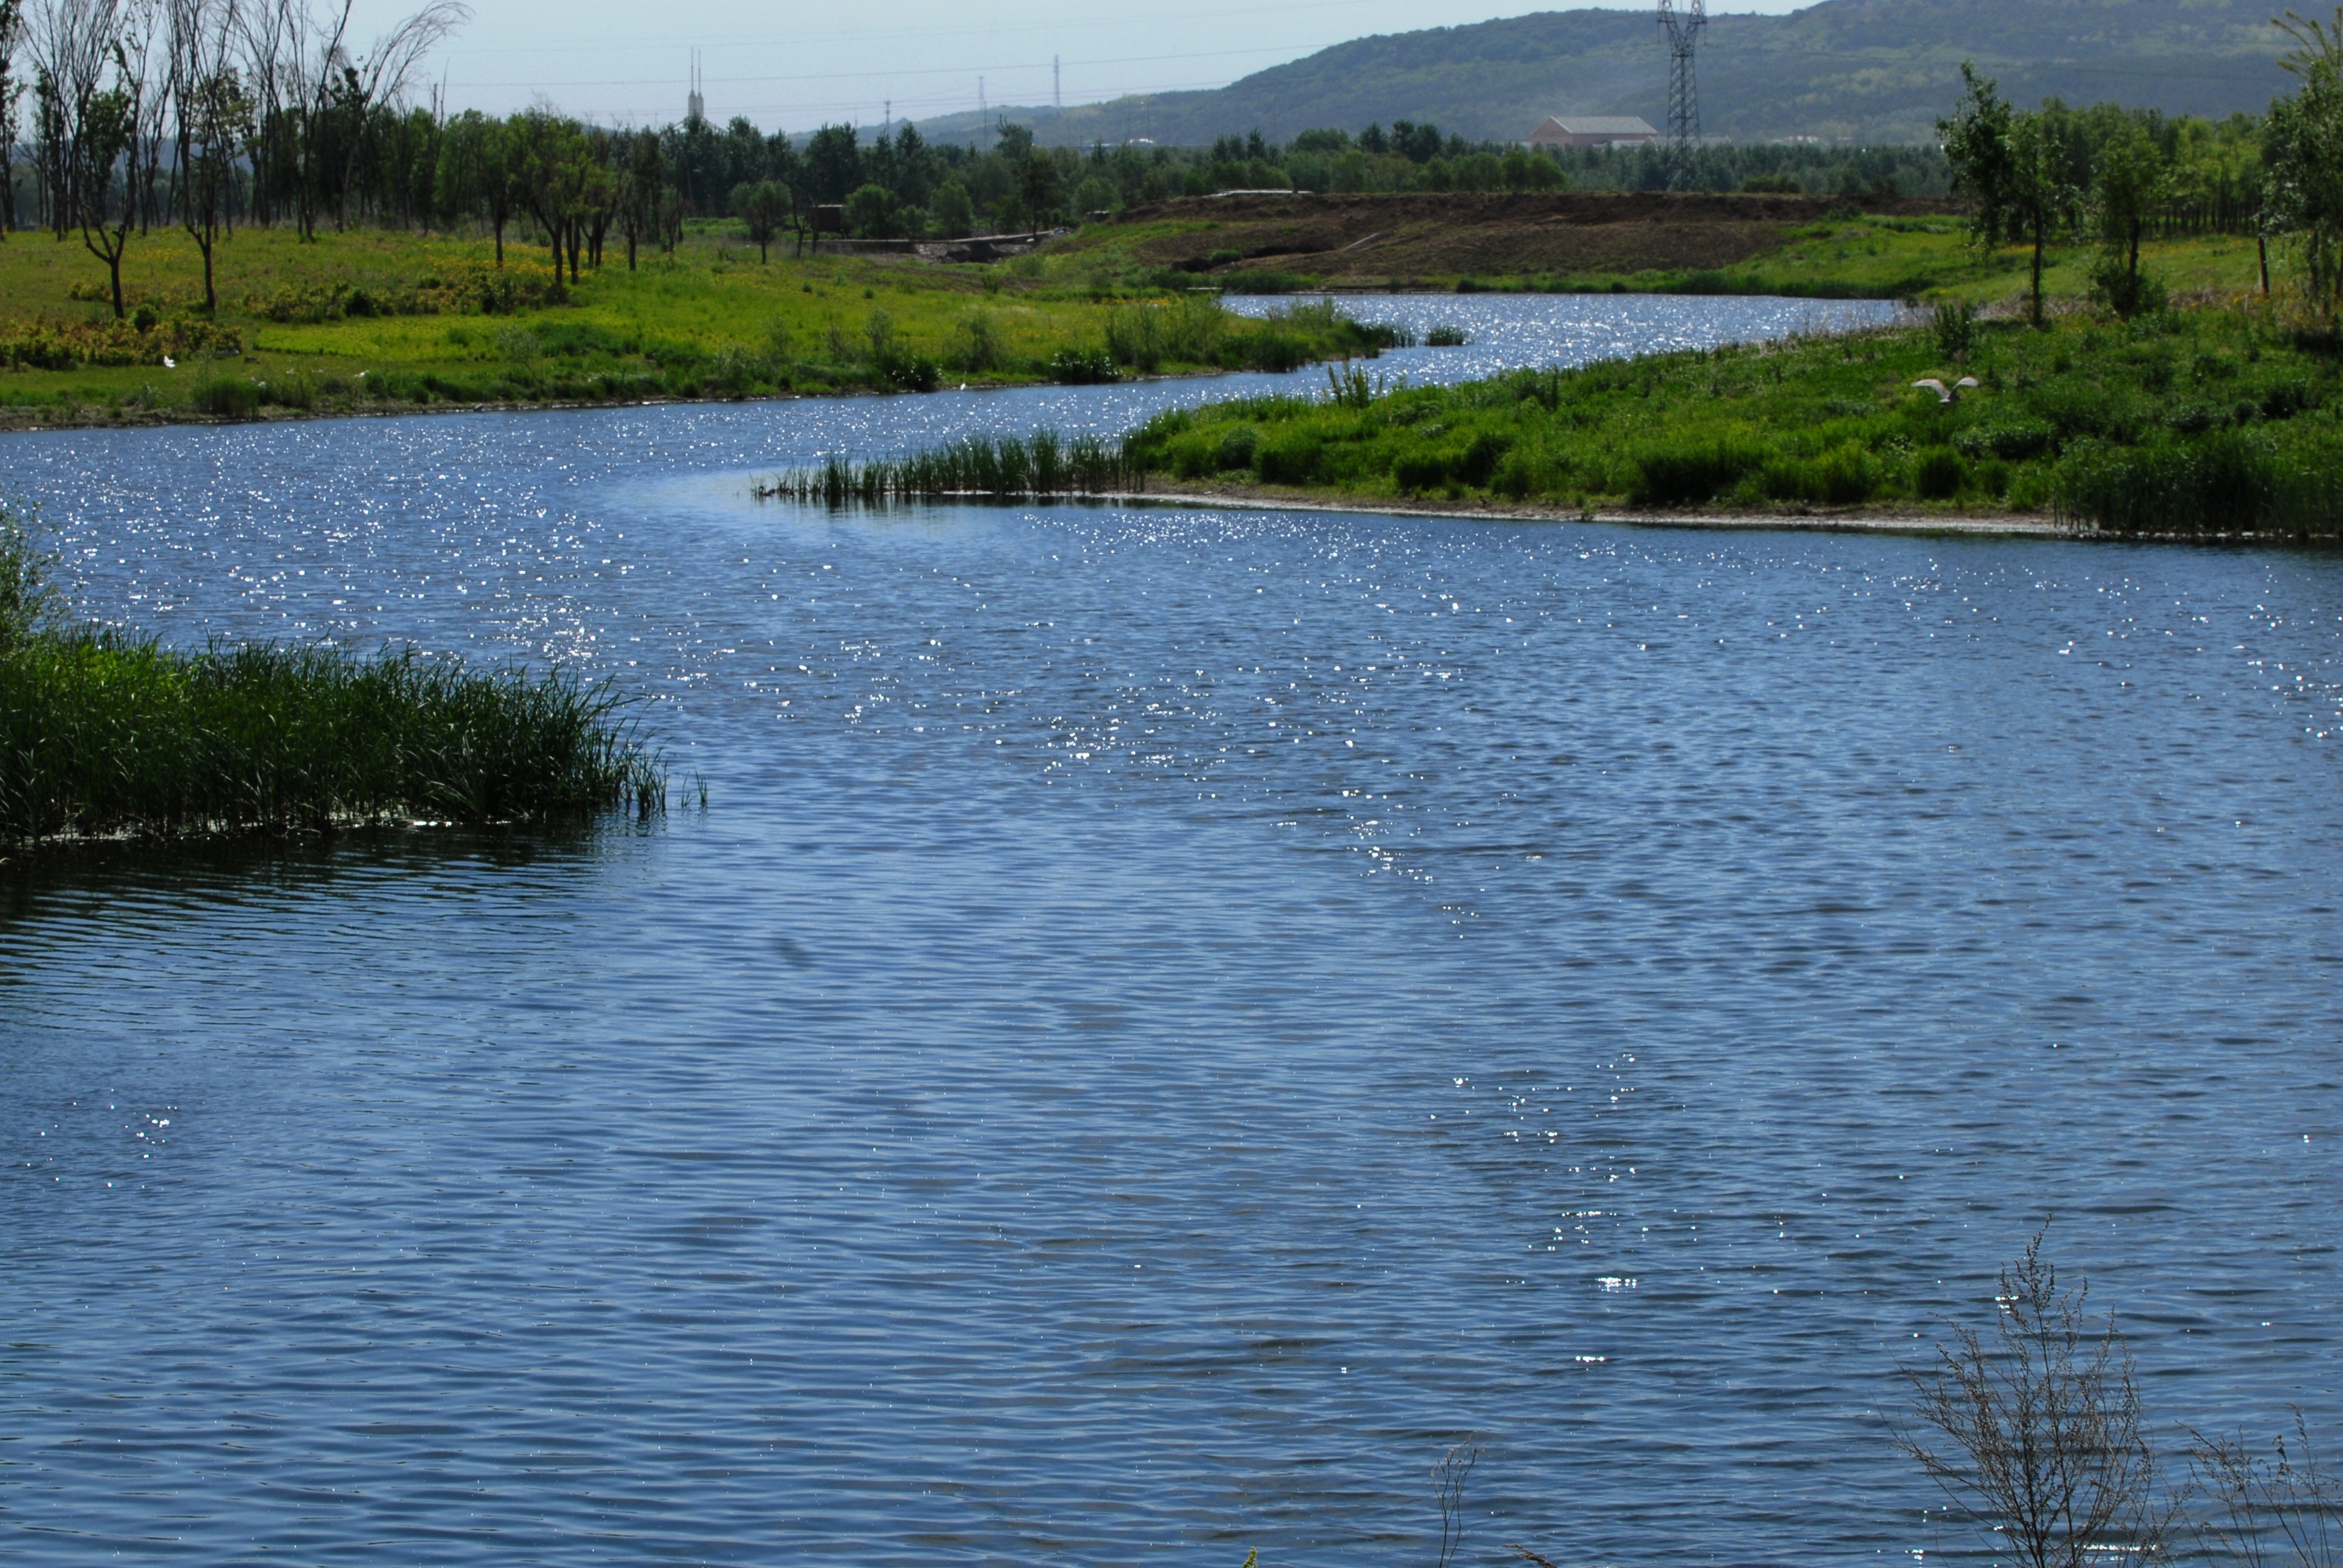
{"x": 2227, "y": 482}
{"x": 997, "y": 468}
{"x": 103, "y": 734}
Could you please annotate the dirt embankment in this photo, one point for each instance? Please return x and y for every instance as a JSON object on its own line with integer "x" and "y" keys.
{"x": 1369, "y": 241}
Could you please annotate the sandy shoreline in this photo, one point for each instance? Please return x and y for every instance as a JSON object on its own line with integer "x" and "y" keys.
{"x": 1977, "y": 525}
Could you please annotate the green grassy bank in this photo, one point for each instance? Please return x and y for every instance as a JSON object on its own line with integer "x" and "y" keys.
{"x": 376, "y": 319}
{"x": 103, "y": 734}
{"x": 2195, "y": 422}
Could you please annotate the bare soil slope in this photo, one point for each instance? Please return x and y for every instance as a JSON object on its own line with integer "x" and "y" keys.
{"x": 1373, "y": 241}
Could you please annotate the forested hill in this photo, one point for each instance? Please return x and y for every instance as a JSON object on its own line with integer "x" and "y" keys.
{"x": 1869, "y": 70}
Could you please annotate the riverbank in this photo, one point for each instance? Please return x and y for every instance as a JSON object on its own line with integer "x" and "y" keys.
{"x": 375, "y": 321}
{"x": 1983, "y": 525}
{"x": 107, "y": 735}
{"x": 2207, "y": 423}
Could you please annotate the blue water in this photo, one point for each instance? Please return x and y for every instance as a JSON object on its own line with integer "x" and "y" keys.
{"x": 1167, "y": 1021}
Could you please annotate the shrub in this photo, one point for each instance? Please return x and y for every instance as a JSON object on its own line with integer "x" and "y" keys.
{"x": 1937, "y": 474}
{"x": 1081, "y": 367}
{"x": 2014, "y": 440}
{"x": 2035, "y": 1432}
{"x": 1276, "y": 352}
{"x": 1689, "y": 476}
{"x": 225, "y": 398}
{"x": 1849, "y": 476}
{"x": 976, "y": 342}
{"x": 1956, "y": 330}
{"x": 2229, "y": 482}
{"x": 910, "y": 373}
{"x": 1290, "y": 460}
{"x": 1479, "y": 457}
{"x": 1237, "y": 446}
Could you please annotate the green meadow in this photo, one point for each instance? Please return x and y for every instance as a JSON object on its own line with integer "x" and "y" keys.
{"x": 372, "y": 319}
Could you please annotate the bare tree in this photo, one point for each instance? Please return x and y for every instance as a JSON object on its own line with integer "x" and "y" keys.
{"x": 2279, "y": 1509}
{"x": 1448, "y": 1479}
{"x": 2033, "y": 1430}
{"x": 12, "y": 88}
{"x": 262, "y": 28}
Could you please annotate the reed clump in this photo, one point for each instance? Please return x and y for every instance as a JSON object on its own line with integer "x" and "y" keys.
{"x": 1000, "y": 469}
{"x": 107, "y": 735}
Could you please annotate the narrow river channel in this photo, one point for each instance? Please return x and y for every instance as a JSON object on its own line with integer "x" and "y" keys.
{"x": 1168, "y": 1019}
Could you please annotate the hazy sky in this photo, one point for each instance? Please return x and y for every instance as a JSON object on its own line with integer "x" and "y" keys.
{"x": 798, "y": 66}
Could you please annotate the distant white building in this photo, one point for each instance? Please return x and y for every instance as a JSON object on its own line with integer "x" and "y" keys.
{"x": 1594, "y": 131}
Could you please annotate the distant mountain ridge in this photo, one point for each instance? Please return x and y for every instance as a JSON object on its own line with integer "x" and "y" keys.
{"x": 1844, "y": 70}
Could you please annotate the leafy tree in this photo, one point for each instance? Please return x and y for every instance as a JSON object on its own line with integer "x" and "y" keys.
{"x": 833, "y": 165}
{"x": 1013, "y": 143}
{"x": 2304, "y": 150}
{"x": 1097, "y": 194}
{"x": 1417, "y": 144}
{"x": 871, "y": 212}
{"x": 104, "y": 137}
{"x": 2012, "y": 167}
{"x": 1041, "y": 190}
{"x": 764, "y": 207}
{"x": 639, "y": 173}
{"x": 954, "y": 214}
{"x": 2130, "y": 184}
{"x": 215, "y": 116}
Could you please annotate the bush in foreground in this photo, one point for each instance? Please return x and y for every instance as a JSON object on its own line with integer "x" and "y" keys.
{"x": 103, "y": 734}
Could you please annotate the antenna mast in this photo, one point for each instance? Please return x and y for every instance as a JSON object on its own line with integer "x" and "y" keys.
{"x": 1683, "y": 24}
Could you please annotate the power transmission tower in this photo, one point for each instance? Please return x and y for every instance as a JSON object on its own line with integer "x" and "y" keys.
{"x": 1682, "y": 25}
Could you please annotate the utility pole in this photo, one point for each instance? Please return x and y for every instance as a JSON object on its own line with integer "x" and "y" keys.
{"x": 1057, "y": 97}
{"x": 1683, "y": 29}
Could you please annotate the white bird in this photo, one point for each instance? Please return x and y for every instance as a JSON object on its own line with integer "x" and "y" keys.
{"x": 169, "y": 363}
{"x": 1946, "y": 394}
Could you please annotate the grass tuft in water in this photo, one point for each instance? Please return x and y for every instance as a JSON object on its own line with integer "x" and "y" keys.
{"x": 103, "y": 734}
{"x": 1002, "y": 469}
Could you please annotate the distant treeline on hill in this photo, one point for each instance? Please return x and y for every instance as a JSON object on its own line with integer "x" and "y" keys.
{"x": 1853, "y": 71}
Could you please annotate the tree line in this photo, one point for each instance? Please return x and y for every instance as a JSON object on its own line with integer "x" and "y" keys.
{"x": 2119, "y": 176}
{"x": 211, "y": 113}
{"x": 198, "y": 112}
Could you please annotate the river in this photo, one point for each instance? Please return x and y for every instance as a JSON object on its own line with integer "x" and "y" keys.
{"x": 1167, "y": 1021}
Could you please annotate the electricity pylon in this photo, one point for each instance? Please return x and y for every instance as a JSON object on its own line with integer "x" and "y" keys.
{"x": 1682, "y": 23}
